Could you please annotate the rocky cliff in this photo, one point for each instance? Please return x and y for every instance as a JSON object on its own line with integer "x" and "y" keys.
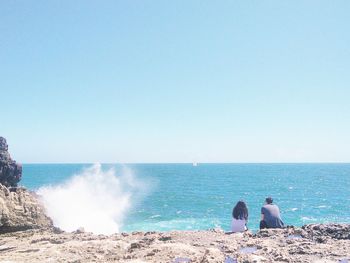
{"x": 20, "y": 209}
{"x": 10, "y": 171}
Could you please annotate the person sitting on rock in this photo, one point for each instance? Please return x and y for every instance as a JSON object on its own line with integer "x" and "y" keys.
{"x": 239, "y": 217}
{"x": 270, "y": 215}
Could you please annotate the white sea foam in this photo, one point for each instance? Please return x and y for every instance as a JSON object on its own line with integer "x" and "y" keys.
{"x": 176, "y": 223}
{"x": 155, "y": 216}
{"x": 96, "y": 200}
{"x": 305, "y": 218}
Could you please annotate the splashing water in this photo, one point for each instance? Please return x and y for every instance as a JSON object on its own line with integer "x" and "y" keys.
{"x": 96, "y": 200}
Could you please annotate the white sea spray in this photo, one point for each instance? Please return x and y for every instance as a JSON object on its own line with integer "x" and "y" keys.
{"x": 95, "y": 200}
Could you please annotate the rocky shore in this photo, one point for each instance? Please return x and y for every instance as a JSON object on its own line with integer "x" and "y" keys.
{"x": 311, "y": 243}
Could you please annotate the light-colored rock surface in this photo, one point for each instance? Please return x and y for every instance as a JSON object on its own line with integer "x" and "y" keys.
{"x": 288, "y": 245}
{"x": 21, "y": 210}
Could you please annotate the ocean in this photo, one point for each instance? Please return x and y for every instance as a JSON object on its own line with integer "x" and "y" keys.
{"x": 162, "y": 197}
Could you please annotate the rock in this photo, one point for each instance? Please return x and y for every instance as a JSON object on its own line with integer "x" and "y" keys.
{"x": 319, "y": 232}
{"x": 164, "y": 238}
{"x": 271, "y": 232}
{"x": 80, "y": 230}
{"x": 10, "y": 171}
{"x": 3, "y": 144}
{"x": 21, "y": 210}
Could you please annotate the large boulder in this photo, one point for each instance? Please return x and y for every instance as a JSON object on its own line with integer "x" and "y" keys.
{"x": 10, "y": 171}
{"x": 20, "y": 209}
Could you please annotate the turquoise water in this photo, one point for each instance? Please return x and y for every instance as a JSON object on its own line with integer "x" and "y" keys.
{"x": 184, "y": 196}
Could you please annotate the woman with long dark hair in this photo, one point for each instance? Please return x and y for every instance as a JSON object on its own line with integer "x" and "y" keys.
{"x": 239, "y": 217}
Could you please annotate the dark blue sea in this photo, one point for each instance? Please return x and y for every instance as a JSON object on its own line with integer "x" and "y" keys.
{"x": 187, "y": 197}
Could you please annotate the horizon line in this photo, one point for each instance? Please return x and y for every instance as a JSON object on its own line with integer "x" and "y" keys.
{"x": 315, "y": 162}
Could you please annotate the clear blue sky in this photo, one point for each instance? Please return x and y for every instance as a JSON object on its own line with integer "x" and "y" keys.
{"x": 175, "y": 81}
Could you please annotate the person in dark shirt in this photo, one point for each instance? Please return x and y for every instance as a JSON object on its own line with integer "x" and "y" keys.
{"x": 270, "y": 215}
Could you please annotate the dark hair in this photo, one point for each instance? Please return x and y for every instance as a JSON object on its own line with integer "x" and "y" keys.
{"x": 240, "y": 211}
{"x": 269, "y": 200}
